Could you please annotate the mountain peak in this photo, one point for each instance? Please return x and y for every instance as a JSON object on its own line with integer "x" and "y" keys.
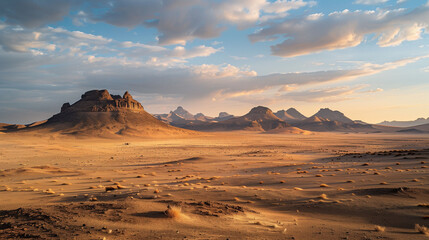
{"x": 296, "y": 114}
{"x": 331, "y": 115}
{"x": 180, "y": 111}
{"x": 127, "y": 95}
{"x": 223, "y": 116}
{"x": 290, "y": 115}
{"x": 260, "y": 110}
{"x": 261, "y": 113}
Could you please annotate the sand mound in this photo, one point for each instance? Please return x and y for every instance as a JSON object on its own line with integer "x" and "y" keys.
{"x": 290, "y": 130}
{"x": 400, "y": 192}
{"x": 37, "y": 171}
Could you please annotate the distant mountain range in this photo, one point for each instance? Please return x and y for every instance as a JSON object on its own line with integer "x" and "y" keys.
{"x": 290, "y": 115}
{"x": 419, "y": 121}
{"x": 181, "y": 116}
{"x": 98, "y": 113}
{"x": 263, "y": 119}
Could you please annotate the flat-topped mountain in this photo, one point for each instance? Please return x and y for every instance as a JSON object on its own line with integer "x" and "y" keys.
{"x": 98, "y": 113}
{"x": 103, "y": 101}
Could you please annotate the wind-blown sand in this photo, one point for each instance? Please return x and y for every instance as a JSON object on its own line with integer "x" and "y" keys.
{"x": 237, "y": 185}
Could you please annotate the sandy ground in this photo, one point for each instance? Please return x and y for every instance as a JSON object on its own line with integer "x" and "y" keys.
{"x": 219, "y": 186}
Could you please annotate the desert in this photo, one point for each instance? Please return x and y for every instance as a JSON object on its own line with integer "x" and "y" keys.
{"x": 214, "y": 119}
{"x": 69, "y": 178}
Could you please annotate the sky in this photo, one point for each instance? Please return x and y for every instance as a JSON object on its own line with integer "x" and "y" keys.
{"x": 366, "y": 58}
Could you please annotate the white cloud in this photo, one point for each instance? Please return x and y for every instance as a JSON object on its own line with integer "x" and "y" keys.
{"x": 330, "y": 94}
{"x": 177, "y": 22}
{"x": 50, "y": 74}
{"x": 370, "y": 2}
{"x": 374, "y": 90}
{"x": 181, "y": 21}
{"x": 323, "y": 95}
{"x": 315, "y": 16}
{"x": 198, "y": 51}
{"x": 344, "y": 29}
{"x": 208, "y": 71}
{"x": 151, "y": 48}
{"x": 48, "y": 39}
{"x": 281, "y": 6}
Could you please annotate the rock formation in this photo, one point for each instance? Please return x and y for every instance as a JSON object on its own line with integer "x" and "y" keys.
{"x": 291, "y": 115}
{"x": 102, "y": 101}
{"x": 328, "y": 114}
{"x": 98, "y": 113}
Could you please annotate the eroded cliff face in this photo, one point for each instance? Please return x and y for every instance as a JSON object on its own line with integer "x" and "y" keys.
{"x": 102, "y": 101}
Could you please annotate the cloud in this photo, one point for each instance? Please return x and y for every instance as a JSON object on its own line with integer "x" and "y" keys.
{"x": 29, "y": 13}
{"x": 180, "y": 22}
{"x": 370, "y": 2}
{"x": 43, "y": 40}
{"x": 338, "y": 30}
{"x": 56, "y": 65}
{"x": 198, "y": 51}
{"x": 127, "y": 13}
{"x": 331, "y": 94}
{"x": 208, "y": 71}
{"x": 281, "y": 6}
{"x": 177, "y": 22}
{"x": 80, "y": 60}
{"x": 46, "y": 40}
{"x": 335, "y": 94}
{"x": 374, "y": 90}
{"x": 311, "y": 78}
{"x": 54, "y": 78}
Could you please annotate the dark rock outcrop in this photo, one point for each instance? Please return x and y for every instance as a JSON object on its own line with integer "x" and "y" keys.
{"x": 102, "y": 101}
{"x": 65, "y": 107}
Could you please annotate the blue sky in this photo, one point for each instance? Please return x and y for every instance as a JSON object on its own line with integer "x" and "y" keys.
{"x": 366, "y": 58}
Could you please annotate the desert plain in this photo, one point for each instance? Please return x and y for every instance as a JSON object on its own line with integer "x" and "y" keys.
{"x": 214, "y": 185}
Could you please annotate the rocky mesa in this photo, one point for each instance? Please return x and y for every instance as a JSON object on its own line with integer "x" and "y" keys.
{"x": 99, "y": 113}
